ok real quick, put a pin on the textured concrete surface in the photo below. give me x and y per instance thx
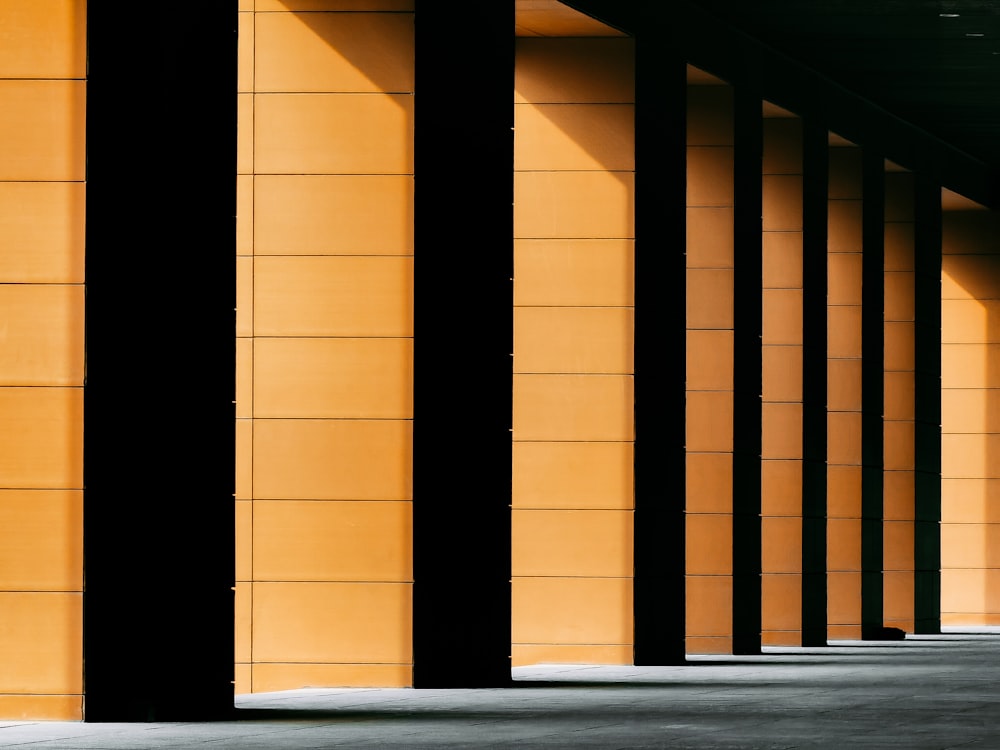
(930, 692)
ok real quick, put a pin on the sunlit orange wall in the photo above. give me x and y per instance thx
(573, 323)
(844, 393)
(781, 470)
(324, 368)
(42, 194)
(970, 406)
(899, 461)
(709, 492)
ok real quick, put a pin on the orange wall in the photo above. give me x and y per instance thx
(899, 460)
(42, 203)
(573, 364)
(970, 407)
(324, 348)
(709, 443)
(844, 393)
(781, 469)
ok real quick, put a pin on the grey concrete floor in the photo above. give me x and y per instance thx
(927, 692)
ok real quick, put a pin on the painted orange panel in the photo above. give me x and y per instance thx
(710, 176)
(844, 279)
(42, 130)
(709, 421)
(347, 378)
(523, 654)
(709, 610)
(709, 544)
(332, 622)
(243, 634)
(780, 638)
(709, 237)
(970, 500)
(574, 71)
(42, 232)
(969, 455)
(244, 378)
(709, 644)
(781, 488)
(782, 316)
(41, 540)
(245, 49)
(898, 489)
(844, 331)
(967, 277)
(709, 298)
(782, 208)
(41, 438)
(844, 437)
(573, 407)
(845, 173)
(966, 365)
(344, 52)
(843, 544)
(710, 360)
(574, 137)
(898, 599)
(781, 544)
(966, 545)
(244, 133)
(898, 541)
(966, 322)
(244, 540)
(574, 272)
(571, 610)
(843, 600)
(843, 384)
(899, 396)
(333, 133)
(972, 232)
(782, 257)
(898, 451)
(898, 243)
(42, 707)
(571, 543)
(271, 677)
(43, 39)
(709, 482)
(782, 373)
(844, 226)
(781, 599)
(562, 205)
(242, 682)
(782, 146)
(899, 295)
(899, 342)
(244, 296)
(334, 5)
(572, 475)
(244, 458)
(781, 430)
(843, 489)
(41, 642)
(336, 296)
(963, 590)
(333, 215)
(244, 214)
(332, 541)
(709, 116)
(317, 459)
(573, 339)
(43, 341)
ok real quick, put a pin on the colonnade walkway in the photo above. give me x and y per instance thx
(925, 692)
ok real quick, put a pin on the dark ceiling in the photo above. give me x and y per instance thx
(918, 80)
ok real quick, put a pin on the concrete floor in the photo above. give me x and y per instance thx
(925, 692)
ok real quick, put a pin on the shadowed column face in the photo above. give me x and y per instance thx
(844, 458)
(574, 166)
(781, 471)
(709, 444)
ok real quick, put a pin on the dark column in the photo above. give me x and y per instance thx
(158, 437)
(927, 375)
(660, 326)
(815, 170)
(463, 339)
(872, 392)
(747, 373)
